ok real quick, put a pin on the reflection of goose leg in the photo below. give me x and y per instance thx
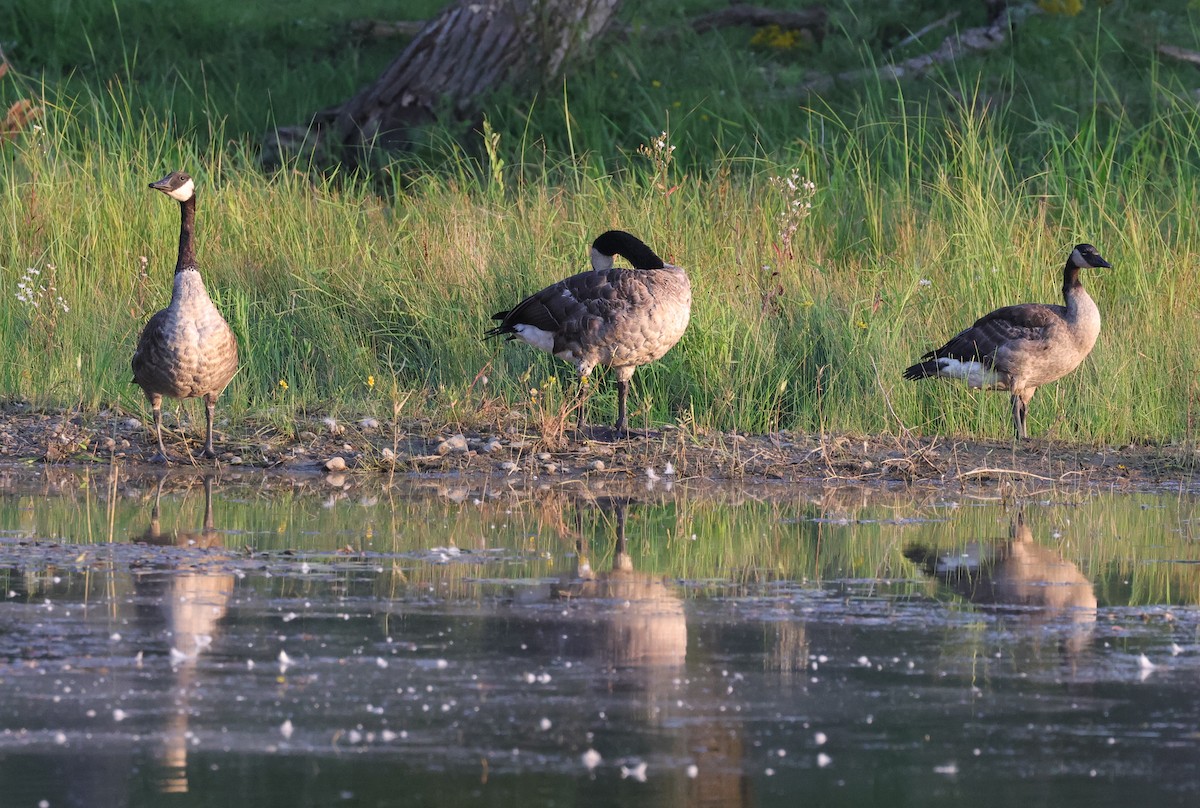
(208, 517)
(621, 557)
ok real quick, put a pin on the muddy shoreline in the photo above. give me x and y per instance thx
(359, 450)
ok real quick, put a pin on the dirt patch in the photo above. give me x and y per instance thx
(323, 446)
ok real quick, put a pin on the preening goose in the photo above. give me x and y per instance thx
(1020, 348)
(187, 350)
(620, 318)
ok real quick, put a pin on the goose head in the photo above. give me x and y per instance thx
(1085, 256)
(618, 242)
(177, 185)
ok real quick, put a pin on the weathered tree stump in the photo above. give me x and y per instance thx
(470, 50)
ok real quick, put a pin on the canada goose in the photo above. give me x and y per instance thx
(609, 316)
(1020, 348)
(187, 349)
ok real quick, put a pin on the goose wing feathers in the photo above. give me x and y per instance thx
(575, 305)
(1001, 330)
(146, 358)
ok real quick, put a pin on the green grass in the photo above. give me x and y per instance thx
(978, 180)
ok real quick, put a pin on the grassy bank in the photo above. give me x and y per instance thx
(934, 202)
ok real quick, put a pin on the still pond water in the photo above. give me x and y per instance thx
(256, 641)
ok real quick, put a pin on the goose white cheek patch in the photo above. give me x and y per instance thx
(184, 192)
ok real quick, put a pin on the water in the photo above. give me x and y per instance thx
(349, 642)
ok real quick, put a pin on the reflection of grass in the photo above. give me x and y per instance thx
(1125, 544)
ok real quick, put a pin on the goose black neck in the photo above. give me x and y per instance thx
(641, 256)
(1071, 279)
(187, 239)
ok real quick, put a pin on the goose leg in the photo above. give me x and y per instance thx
(622, 406)
(581, 424)
(624, 375)
(156, 406)
(210, 407)
(1020, 411)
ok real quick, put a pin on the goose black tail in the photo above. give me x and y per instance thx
(921, 370)
(499, 330)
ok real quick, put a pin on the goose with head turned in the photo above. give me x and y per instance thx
(187, 350)
(610, 316)
(1020, 348)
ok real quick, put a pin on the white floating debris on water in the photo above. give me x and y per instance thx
(115, 637)
(819, 738)
(286, 729)
(387, 736)
(769, 772)
(177, 656)
(591, 759)
(864, 662)
(304, 568)
(1176, 649)
(545, 724)
(60, 737)
(693, 771)
(289, 617)
(119, 715)
(284, 661)
(949, 769)
(1145, 664)
(651, 474)
(354, 736)
(441, 664)
(380, 662)
(823, 760)
(637, 771)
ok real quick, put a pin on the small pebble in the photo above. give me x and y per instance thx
(508, 466)
(389, 455)
(456, 444)
(596, 465)
(335, 464)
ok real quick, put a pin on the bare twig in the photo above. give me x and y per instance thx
(915, 35)
(972, 40)
(984, 471)
(1182, 54)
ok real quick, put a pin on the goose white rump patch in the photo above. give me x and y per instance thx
(537, 337)
(976, 374)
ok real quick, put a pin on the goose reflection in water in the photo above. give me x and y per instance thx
(635, 622)
(191, 604)
(1017, 575)
(638, 617)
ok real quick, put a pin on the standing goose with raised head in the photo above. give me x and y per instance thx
(1020, 348)
(187, 350)
(611, 316)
